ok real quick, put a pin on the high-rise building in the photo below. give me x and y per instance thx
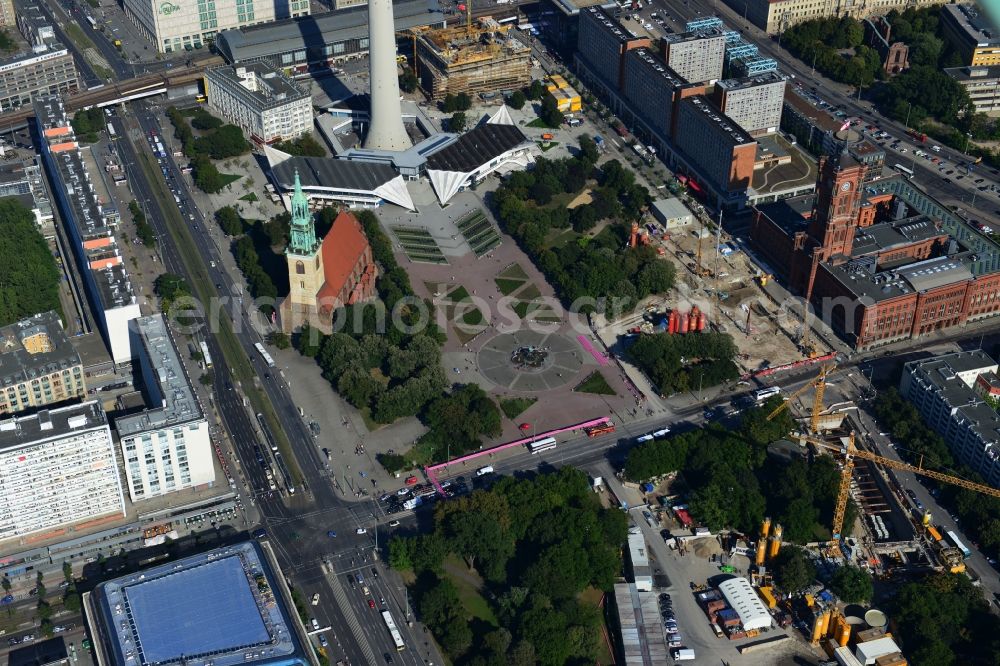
(982, 85)
(385, 127)
(724, 152)
(776, 16)
(652, 88)
(46, 68)
(697, 57)
(754, 103)
(602, 44)
(172, 27)
(7, 14)
(975, 37)
(166, 446)
(267, 105)
(57, 469)
(944, 391)
(324, 275)
(90, 226)
(38, 365)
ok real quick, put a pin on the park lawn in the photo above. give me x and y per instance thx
(250, 196)
(507, 286)
(229, 178)
(595, 383)
(558, 237)
(457, 295)
(530, 293)
(521, 309)
(540, 124)
(473, 317)
(514, 407)
(548, 146)
(513, 272)
(475, 604)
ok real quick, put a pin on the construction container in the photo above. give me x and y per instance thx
(715, 605)
(767, 596)
(708, 595)
(728, 618)
(556, 82)
(761, 551)
(685, 321)
(567, 101)
(701, 322)
(674, 322)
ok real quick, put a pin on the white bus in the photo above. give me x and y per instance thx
(541, 445)
(264, 355)
(397, 638)
(111, 130)
(966, 553)
(763, 394)
(903, 170)
(205, 355)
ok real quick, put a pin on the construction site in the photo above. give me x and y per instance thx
(717, 278)
(478, 57)
(892, 537)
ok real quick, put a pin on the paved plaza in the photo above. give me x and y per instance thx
(508, 360)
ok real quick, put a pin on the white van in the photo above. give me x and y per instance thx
(483, 471)
(682, 654)
(936, 149)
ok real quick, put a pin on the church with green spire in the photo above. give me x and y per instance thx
(323, 275)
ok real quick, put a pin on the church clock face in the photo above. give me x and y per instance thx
(845, 187)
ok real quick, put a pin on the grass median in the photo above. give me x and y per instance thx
(201, 282)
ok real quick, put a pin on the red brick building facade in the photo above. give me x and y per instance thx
(874, 282)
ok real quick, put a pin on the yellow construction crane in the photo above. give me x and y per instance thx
(819, 383)
(849, 453)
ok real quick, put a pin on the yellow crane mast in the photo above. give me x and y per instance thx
(819, 383)
(850, 452)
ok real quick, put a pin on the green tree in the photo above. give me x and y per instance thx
(550, 113)
(457, 122)
(449, 104)
(203, 120)
(463, 102)
(67, 570)
(517, 100)
(408, 81)
(535, 91)
(29, 279)
(44, 610)
(72, 602)
(229, 220)
(304, 146)
(46, 627)
(852, 584)
(206, 177)
(279, 340)
(793, 570)
(5, 582)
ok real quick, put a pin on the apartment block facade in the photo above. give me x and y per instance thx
(943, 389)
(57, 469)
(267, 105)
(38, 365)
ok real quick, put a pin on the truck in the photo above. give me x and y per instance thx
(682, 654)
(917, 136)
(599, 142)
(413, 503)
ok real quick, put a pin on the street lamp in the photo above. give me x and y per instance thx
(968, 137)
(909, 107)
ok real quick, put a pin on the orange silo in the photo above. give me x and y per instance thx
(820, 625)
(844, 632)
(775, 542)
(765, 528)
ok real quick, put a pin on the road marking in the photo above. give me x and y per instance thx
(352, 620)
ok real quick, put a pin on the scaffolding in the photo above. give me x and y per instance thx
(471, 59)
(702, 24)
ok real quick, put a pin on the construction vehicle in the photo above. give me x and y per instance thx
(819, 383)
(849, 453)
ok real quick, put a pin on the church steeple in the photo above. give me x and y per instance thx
(303, 231)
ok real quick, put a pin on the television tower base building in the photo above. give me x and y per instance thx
(386, 131)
